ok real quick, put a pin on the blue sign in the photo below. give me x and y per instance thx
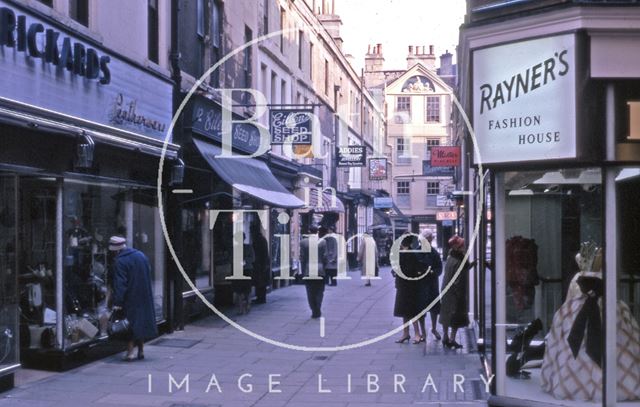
(427, 169)
(447, 223)
(206, 120)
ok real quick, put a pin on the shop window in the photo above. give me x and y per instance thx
(79, 11)
(300, 47)
(196, 238)
(9, 295)
(403, 193)
(627, 185)
(265, 17)
(432, 113)
(546, 219)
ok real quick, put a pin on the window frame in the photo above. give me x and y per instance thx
(429, 116)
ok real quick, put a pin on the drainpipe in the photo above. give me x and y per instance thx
(175, 286)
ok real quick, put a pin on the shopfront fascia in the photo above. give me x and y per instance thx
(560, 169)
(79, 163)
(226, 183)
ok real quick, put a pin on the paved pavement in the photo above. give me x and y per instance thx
(221, 366)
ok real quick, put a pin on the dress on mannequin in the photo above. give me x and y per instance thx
(571, 368)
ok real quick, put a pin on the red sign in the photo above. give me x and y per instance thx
(445, 156)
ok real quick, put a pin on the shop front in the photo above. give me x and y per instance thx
(80, 151)
(218, 183)
(555, 289)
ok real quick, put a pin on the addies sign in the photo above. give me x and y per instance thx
(524, 100)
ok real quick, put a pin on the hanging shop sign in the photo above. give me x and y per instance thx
(448, 215)
(429, 170)
(46, 66)
(351, 156)
(443, 200)
(445, 156)
(382, 202)
(377, 169)
(524, 100)
(291, 126)
(206, 120)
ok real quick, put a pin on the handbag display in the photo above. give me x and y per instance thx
(119, 327)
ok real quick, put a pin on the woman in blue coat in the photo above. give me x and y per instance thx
(133, 294)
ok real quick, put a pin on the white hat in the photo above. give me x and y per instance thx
(117, 243)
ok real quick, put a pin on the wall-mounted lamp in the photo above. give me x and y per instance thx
(177, 173)
(85, 149)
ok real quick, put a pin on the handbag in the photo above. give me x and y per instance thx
(119, 327)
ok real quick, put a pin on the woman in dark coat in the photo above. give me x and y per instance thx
(433, 267)
(133, 294)
(410, 298)
(454, 305)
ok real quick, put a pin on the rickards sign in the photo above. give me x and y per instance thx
(524, 100)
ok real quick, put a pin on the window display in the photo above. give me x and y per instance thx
(8, 286)
(551, 307)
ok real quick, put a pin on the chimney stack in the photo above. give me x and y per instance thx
(418, 54)
(374, 66)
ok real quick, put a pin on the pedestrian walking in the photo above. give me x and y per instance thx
(410, 301)
(454, 308)
(368, 258)
(133, 294)
(433, 267)
(262, 263)
(331, 267)
(242, 288)
(309, 262)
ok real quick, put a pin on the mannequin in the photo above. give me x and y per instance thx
(572, 365)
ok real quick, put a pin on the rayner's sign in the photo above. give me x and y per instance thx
(524, 100)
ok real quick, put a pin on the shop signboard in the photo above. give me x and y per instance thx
(446, 215)
(351, 156)
(443, 200)
(445, 156)
(377, 169)
(44, 65)
(382, 202)
(524, 100)
(206, 120)
(429, 170)
(291, 126)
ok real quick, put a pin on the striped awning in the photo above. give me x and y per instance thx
(330, 203)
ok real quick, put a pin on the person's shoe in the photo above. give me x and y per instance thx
(403, 339)
(418, 340)
(367, 284)
(454, 345)
(140, 355)
(436, 334)
(316, 316)
(129, 357)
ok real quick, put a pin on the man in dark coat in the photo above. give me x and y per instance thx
(133, 293)
(311, 264)
(262, 264)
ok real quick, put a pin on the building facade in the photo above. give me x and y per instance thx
(418, 107)
(84, 116)
(279, 56)
(551, 90)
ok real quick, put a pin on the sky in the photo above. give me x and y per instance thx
(396, 24)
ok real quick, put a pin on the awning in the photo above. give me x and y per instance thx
(21, 114)
(330, 203)
(248, 175)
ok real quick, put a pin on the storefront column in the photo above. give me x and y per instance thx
(500, 293)
(128, 218)
(610, 266)
(59, 267)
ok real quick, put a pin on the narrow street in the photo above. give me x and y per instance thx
(211, 347)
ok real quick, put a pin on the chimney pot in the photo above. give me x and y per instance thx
(417, 49)
(410, 49)
(431, 49)
(379, 47)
